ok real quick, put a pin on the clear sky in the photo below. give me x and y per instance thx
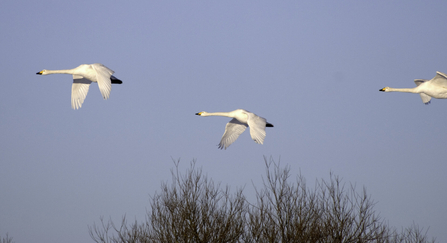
(311, 68)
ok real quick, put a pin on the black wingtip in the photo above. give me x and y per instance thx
(115, 80)
(269, 125)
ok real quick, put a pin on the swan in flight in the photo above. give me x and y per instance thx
(436, 88)
(241, 120)
(83, 76)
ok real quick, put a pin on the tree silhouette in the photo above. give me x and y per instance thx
(195, 209)
(7, 239)
(192, 209)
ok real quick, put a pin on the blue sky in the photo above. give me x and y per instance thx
(313, 69)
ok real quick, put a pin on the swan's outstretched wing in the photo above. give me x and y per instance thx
(232, 131)
(257, 127)
(425, 98)
(103, 74)
(79, 91)
(440, 79)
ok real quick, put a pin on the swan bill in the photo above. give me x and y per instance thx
(383, 89)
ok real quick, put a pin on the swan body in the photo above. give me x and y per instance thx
(83, 76)
(241, 120)
(427, 89)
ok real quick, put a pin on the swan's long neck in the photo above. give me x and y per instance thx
(404, 90)
(227, 114)
(64, 71)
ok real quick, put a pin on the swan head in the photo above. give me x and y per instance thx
(386, 89)
(43, 72)
(202, 113)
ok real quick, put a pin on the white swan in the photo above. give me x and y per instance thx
(436, 88)
(83, 76)
(241, 120)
